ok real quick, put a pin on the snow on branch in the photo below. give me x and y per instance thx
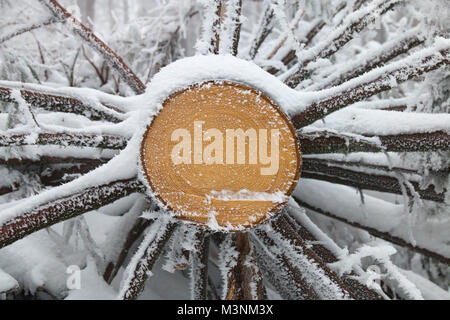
(381, 219)
(49, 99)
(366, 177)
(29, 28)
(324, 281)
(380, 254)
(371, 60)
(373, 82)
(264, 29)
(63, 139)
(199, 266)
(59, 209)
(330, 141)
(327, 250)
(276, 269)
(209, 41)
(240, 272)
(231, 31)
(353, 24)
(7, 284)
(114, 60)
(139, 268)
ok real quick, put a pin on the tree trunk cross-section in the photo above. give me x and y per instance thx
(204, 153)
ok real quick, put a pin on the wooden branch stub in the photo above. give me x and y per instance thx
(200, 155)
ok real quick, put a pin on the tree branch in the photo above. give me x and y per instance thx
(61, 103)
(354, 23)
(320, 142)
(355, 176)
(148, 253)
(57, 210)
(365, 86)
(63, 139)
(114, 60)
(374, 232)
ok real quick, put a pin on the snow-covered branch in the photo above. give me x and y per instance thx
(376, 81)
(264, 29)
(365, 177)
(380, 218)
(240, 271)
(352, 25)
(140, 266)
(63, 139)
(199, 266)
(112, 58)
(49, 213)
(372, 60)
(323, 141)
(49, 99)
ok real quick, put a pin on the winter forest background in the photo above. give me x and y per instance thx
(150, 34)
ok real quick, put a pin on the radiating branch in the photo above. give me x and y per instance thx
(142, 262)
(353, 24)
(61, 103)
(379, 80)
(240, 272)
(379, 57)
(319, 142)
(355, 176)
(111, 57)
(265, 28)
(359, 290)
(45, 215)
(63, 139)
(199, 267)
(374, 232)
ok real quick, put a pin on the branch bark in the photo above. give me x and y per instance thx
(65, 208)
(379, 80)
(113, 59)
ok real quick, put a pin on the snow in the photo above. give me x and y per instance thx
(429, 232)
(7, 283)
(379, 122)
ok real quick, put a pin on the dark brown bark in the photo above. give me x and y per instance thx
(353, 175)
(376, 233)
(245, 273)
(365, 90)
(64, 208)
(64, 139)
(326, 142)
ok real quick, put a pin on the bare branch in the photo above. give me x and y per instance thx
(106, 52)
(65, 208)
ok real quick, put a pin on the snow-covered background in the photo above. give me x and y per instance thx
(150, 34)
